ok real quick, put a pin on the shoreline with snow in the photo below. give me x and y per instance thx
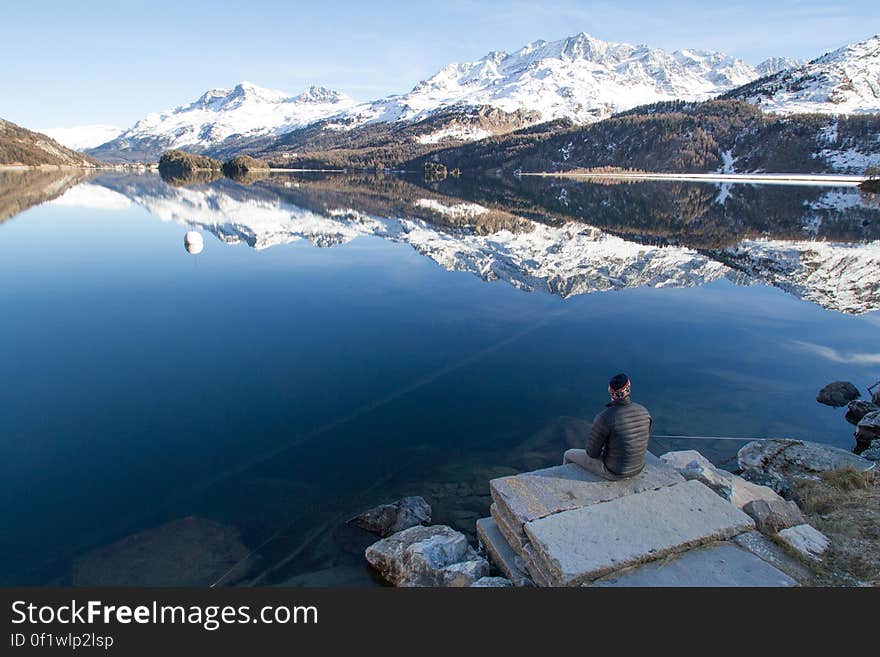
(841, 180)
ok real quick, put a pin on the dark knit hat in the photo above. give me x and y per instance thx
(618, 381)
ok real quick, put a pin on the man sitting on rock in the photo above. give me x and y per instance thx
(618, 438)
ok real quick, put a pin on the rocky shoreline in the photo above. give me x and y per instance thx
(795, 513)
(750, 536)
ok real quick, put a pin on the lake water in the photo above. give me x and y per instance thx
(345, 340)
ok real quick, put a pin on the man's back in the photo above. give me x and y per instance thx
(620, 436)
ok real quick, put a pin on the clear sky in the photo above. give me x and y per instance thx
(90, 61)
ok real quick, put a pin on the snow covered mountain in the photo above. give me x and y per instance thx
(83, 137)
(846, 81)
(774, 65)
(580, 78)
(566, 260)
(243, 112)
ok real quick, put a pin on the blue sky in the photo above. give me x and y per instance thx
(69, 63)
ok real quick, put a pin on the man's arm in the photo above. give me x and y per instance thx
(598, 437)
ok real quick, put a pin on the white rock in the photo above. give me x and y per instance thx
(797, 459)
(739, 492)
(574, 547)
(806, 540)
(427, 556)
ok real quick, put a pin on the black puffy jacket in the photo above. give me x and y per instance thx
(620, 436)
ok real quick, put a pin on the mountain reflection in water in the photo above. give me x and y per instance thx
(568, 238)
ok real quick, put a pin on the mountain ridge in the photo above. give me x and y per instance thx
(580, 79)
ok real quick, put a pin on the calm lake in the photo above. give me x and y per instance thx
(344, 340)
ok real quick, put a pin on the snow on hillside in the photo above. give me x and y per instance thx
(841, 277)
(845, 81)
(81, 137)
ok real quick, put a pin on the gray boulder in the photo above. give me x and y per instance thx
(739, 492)
(797, 459)
(774, 515)
(876, 397)
(806, 541)
(873, 451)
(838, 393)
(867, 431)
(774, 482)
(391, 518)
(858, 409)
(427, 556)
(492, 582)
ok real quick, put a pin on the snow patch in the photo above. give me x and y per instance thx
(456, 133)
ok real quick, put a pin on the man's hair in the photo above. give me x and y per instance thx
(618, 381)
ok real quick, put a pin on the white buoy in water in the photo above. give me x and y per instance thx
(193, 242)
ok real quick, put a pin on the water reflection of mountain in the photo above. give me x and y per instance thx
(698, 215)
(568, 238)
(22, 189)
(819, 244)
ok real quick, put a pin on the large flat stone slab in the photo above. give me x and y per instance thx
(578, 546)
(721, 564)
(500, 552)
(515, 537)
(529, 496)
(773, 553)
(535, 567)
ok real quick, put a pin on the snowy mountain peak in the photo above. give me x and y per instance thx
(581, 78)
(845, 81)
(243, 112)
(773, 65)
(319, 94)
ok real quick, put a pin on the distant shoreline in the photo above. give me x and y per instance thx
(842, 180)
(73, 167)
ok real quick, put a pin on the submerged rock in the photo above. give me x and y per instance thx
(427, 556)
(797, 459)
(805, 540)
(838, 393)
(185, 552)
(858, 409)
(739, 492)
(388, 519)
(774, 515)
